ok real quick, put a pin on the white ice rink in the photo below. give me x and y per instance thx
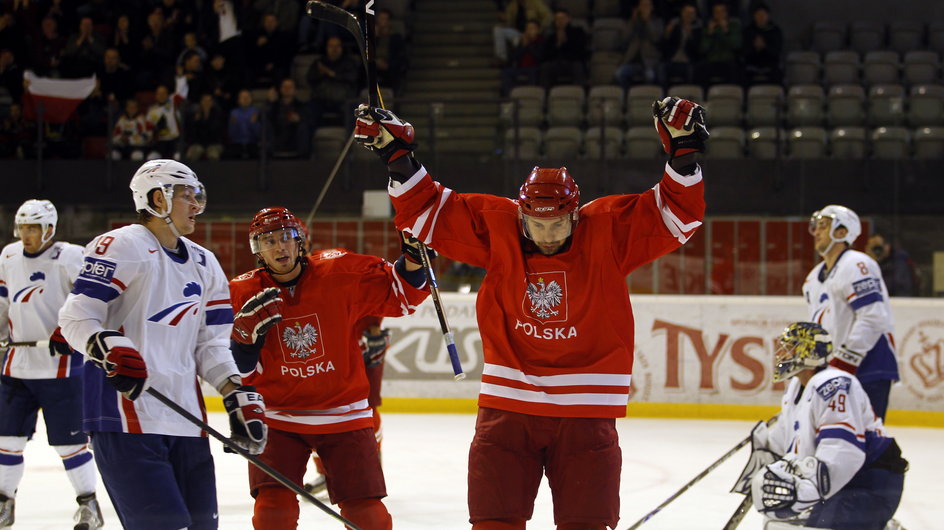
(425, 465)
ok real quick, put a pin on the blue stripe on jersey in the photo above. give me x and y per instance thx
(10, 460)
(217, 317)
(840, 434)
(158, 316)
(98, 291)
(77, 460)
(3, 292)
(866, 300)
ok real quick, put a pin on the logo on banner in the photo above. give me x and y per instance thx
(300, 340)
(922, 360)
(546, 297)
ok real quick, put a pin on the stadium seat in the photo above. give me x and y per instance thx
(386, 94)
(803, 68)
(840, 67)
(764, 105)
(690, 92)
(890, 143)
(805, 105)
(848, 143)
(828, 36)
(260, 97)
(608, 34)
(866, 36)
(639, 100)
(724, 104)
(327, 142)
(565, 105)
(562, 144)
(880, 68)
(906, 35)
(921, 67)
(300, 66)
(807, 143)
(603, 65)
(643, 143)
(765, 143)
(528, 142)
(726, 143)
(399, 8)
(886, 105)
(605, 103)
(845, 105)
(606, 8)
(928, 143)
(936, 36)
(576, 8)
(926, 105)
(530, 106)
(612, 137)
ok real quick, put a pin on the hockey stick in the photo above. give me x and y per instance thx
(27, 344)
(327, 184)
(282, 479)
(698, 477)
(739, 513)
(364, 35)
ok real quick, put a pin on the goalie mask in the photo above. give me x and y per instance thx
(164, 174)
(837, 217)
(549, 194)
(803, 346)
(273, 226)
(37, 212)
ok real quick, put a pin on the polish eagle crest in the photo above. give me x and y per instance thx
(300, 340)
(544, 298)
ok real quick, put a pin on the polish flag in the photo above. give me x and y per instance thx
(59, 97)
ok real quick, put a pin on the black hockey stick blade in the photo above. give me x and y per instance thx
(335, 15)
(254, 460)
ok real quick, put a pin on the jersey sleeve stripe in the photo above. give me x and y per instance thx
(841, 434)
(408, 185)
(120, 285)
(681, 231)
(218, 317)
(3, 292)
(98, 291)
(870, 298)
(217, 302)
(684, 180)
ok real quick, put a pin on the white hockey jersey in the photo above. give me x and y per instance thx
(851, 303)
(831, 419)
(32, 289)
(175, 309)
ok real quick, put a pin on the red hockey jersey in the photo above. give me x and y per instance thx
(557, 331)
(310, 371)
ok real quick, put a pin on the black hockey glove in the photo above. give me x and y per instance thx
(58, 344)
(257, 315)
(410, 246)
(246, 410)
(124, 367)
(382, 132)
(374, 347)
(681, 126)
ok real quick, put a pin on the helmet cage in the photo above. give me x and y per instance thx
(803, 346)
(37, 212)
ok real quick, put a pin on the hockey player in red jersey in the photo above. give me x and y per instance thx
(293, 339)
(553, 312)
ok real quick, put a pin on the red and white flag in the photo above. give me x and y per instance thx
(59, 97)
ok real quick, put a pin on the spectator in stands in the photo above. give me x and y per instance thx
(763, 43)
(513, 22)
(156, 59)
(898, 270)
(125, 41)
(223, 82)
(192, 72)
(46, 49)
(11, 35)
(191, 45)
(83, 51)
(15, 134)
(525, 58)
(389, 51)
(11, 77)
(286, 11)
(131, 136)
(116, 81)
(221, 27)
(178, 18)
(720, 47)
(642, 53)
(204, 130)
(334, 79)
(163, 124)
(245, 129)
(565, 53)
(288, 131)
(680, 46)
(63, 12)
(270, 52)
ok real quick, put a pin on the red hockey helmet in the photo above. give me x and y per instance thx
(271, 219)
(549, 192)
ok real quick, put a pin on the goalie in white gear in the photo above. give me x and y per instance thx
(837, 467)
(845, 294)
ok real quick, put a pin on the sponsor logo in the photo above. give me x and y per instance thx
(828, 389)
(544, 209)
(545, 298)
(36, 276)
(308, 370)
(192, 289)
(546, 333)
(173, 315)
(98, 270)
(921, 359)
(866, 286)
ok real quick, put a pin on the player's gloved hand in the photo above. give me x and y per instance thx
(246, 410)
(761, 456)
(58, 344)
(257, 315)
(846, 359)
(123, 365)
(410, 246)
(374, 347)
(787, 488)
(383, 132)
(681, 126)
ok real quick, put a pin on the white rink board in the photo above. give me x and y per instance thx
(689, 349)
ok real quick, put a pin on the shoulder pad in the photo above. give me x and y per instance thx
(836, 384)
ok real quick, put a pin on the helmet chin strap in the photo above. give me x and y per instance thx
(172, 226)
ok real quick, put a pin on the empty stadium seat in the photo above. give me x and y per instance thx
(805, 105)
(807, 143)
(726, 143)
(765, 143)
(606, 8)
(605, 104)
(565, 105)
(576, 8)
(840, 67)
(905, 35)
(300, 66)
(866, 36)
(880, 68)
(639, 100)
(828, 36)
(803, 68)
(848, 143)
(764, 105)
(641, 143)
(690, 92)
(528, 143)
(921, 67)
(886, 105)
(611, 138)
(562, 144)
(530, 105)
(845, 105)
(936, 36)
(327, 142)
(603, 65)
(724, 104)
(608, 34)
(890, 143)
(928, 143)
(926, 105)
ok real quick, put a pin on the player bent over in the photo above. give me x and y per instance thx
(36, 275)
(293, 339)
(836, 466)
(150, 308)
(553, 311)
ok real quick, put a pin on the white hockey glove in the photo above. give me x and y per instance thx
(845, 359)
(681, 126)
(119, 358)
(257, 315)
(246, 410)
(761, 456)
(382, 132)
(787, 488)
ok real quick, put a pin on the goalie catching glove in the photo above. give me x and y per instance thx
(787, 488)
(124, 367)
(681, 126)
(246, 410)
(761, 456)
(257, 315)
(382, 132)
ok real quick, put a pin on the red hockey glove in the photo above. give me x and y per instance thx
(681, 126)
(846, 359)
(410, 246)
(257, 315)
(58, 344)
(374, 347)
(383, 132)
(123, 365)
(246, 410)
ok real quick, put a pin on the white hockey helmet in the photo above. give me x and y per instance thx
(36, 212)
(164, 174)
(841, 217)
